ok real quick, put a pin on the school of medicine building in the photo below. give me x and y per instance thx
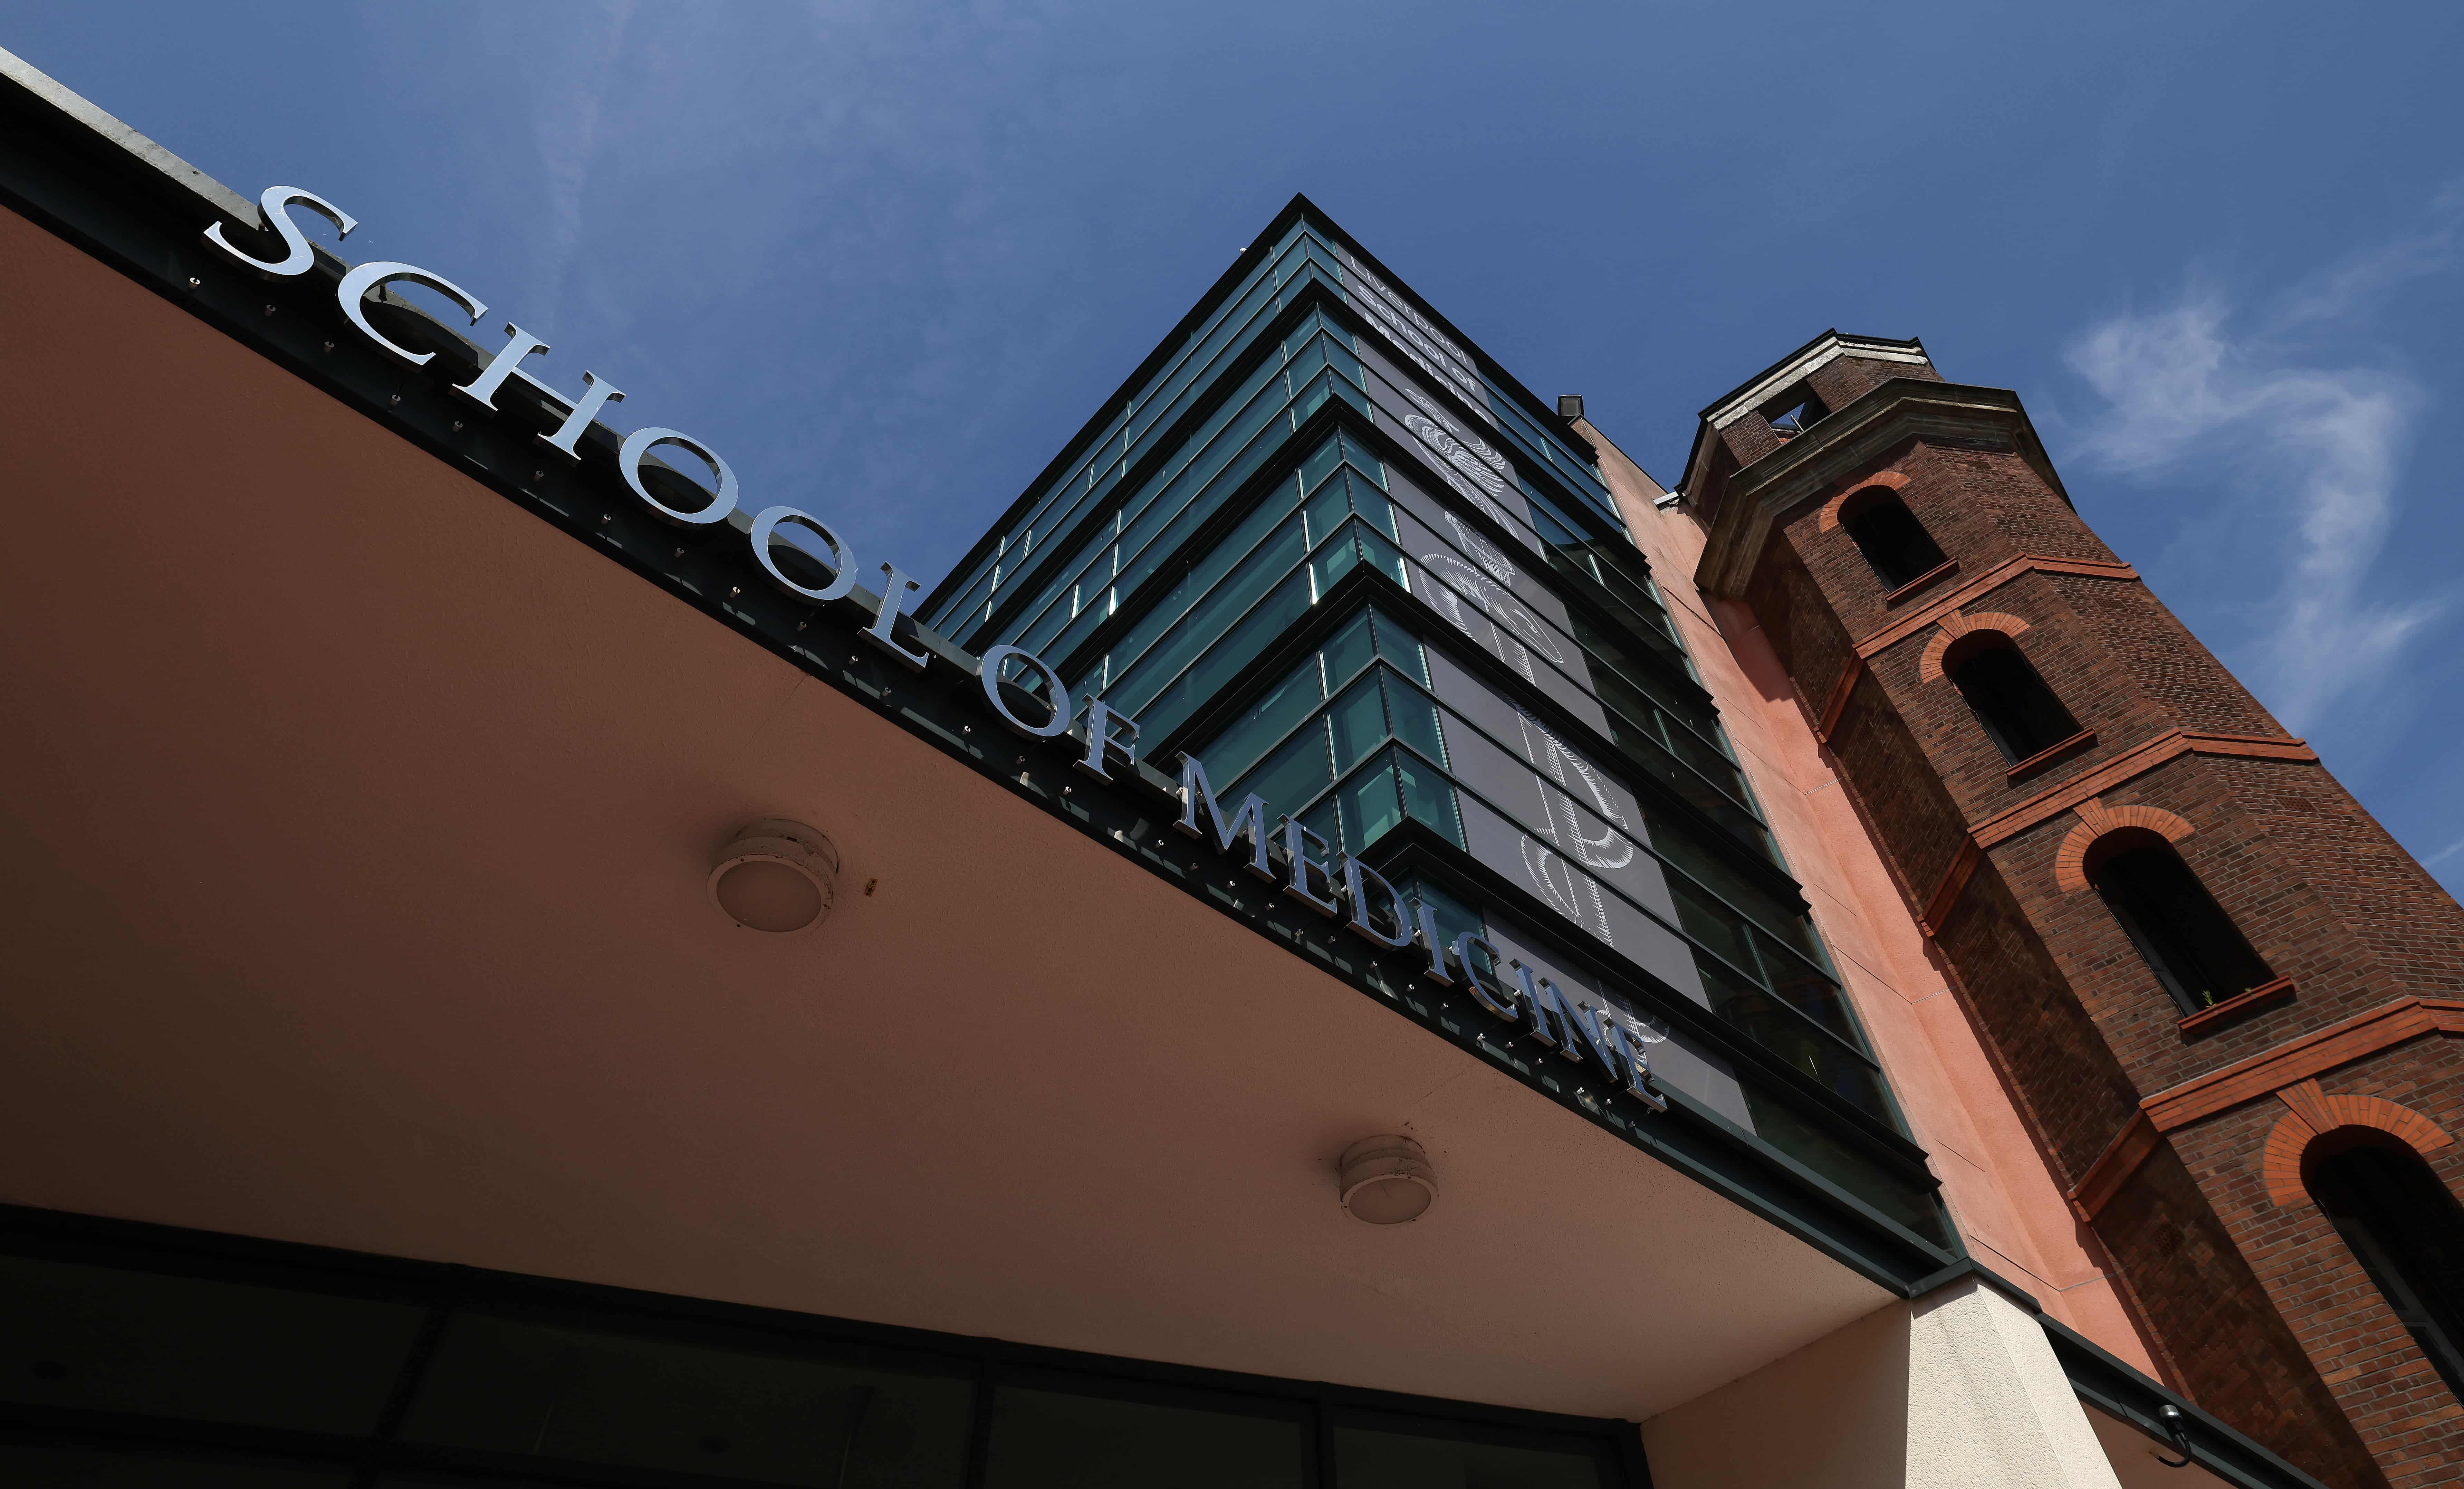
(1357, 941)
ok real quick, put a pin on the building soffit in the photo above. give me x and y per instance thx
(1765, 494)
(429, 789)
(78, 191)
(57, 173)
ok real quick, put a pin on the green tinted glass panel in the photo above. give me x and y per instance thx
(1453, 916)
(1358, 454)
(1294, 774)
(513, 1386)
(1321, 462)
(1306, 362)
(1269, 719)
(1336, 560)
(1349, 651)
(1325, 821)
(1395, 1460)
(1172, 706)
(1427, 797)
(32, 1467)
(1373, 505)
(1368, 807)
(1329, 509)
(1206, 619)
(1802, 1137)
(1360, 721)
(1167, 609)
(99, 1339)
(1048, 1439)
(1399, 647)
(1413, 718)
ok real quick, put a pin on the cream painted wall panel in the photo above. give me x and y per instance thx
(1959, 1390)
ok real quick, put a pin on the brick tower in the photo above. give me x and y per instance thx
(2226, 1000)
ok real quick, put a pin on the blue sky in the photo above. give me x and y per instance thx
(888, 257)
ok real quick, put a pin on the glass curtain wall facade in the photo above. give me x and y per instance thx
(1329, 549)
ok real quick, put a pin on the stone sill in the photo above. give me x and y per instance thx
(2215, 1016)
(2051, 754)
(1922, 580)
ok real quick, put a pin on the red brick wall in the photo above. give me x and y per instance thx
(2381, 1382)
(2232, 1350)
(1841, 380)
(2259, 1311)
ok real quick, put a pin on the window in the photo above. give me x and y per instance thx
(2019, 713)
(2407, 1232)
(2188, 941)
(1892, 540)
(1794, 411)
(1315, 744)
(310, 1374)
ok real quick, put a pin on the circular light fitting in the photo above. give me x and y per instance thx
(1385, 1180)
(775, 876)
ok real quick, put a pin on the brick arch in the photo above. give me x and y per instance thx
(2098, 821)
(1891, 481)
(1955, 625)
(2315, 1114)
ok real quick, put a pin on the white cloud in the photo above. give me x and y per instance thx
(2314, 455)
(565, 122)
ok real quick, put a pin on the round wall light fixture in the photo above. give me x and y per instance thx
(775, 876)
(1385, 1180)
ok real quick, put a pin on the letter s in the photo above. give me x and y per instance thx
(276, 204)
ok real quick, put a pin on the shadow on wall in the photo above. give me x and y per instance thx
(1959, 1387)
(1833, 1414)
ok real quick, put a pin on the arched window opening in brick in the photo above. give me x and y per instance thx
(2188, 942)
(2403, 1228)
(2019, 713)
(1890, 537)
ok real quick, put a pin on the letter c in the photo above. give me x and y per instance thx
(356, 285)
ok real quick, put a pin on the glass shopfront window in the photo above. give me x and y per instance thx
(1064, 1439)
(147, 1365)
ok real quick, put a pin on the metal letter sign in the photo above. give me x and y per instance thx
(1105, 740)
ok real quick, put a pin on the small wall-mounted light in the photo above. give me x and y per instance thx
(775, 876)
(1569, 406)
(1385, 1180)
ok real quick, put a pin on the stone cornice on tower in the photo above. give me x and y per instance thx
(1743, 509)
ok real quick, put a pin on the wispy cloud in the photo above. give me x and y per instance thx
(566, 125)
(2315, 452)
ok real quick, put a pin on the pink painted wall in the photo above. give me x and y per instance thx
(2002, 1196)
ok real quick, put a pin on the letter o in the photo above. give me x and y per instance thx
(988, 670)
(842, 584)
(638, 444)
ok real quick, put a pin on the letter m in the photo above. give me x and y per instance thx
(1198, 793)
